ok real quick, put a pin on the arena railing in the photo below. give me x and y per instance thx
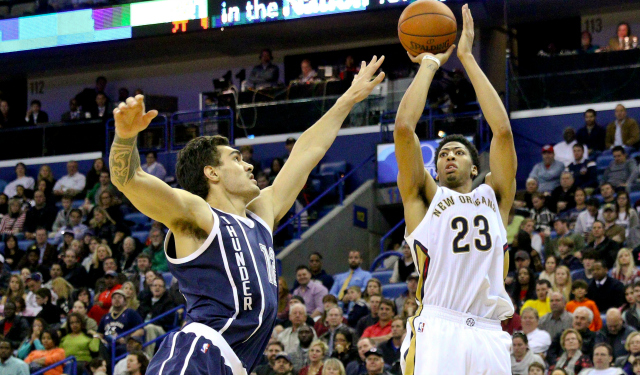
(113, 342)
(154, 138)
(186, 125)
(380, 258)
(338, 184)
(70, 359)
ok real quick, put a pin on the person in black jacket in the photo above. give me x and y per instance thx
(14, 328)
(50, 312)
(605, 247)
(605, 291)
(391, 348)
(592, 135)
(73, 272)
(157, 303)
(343, 348)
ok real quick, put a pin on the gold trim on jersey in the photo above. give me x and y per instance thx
(423, 266)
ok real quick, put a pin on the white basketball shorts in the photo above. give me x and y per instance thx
(442, 341)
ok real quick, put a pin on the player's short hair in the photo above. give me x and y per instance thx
(197, 154)
(544, 282)
(579, 284)
(473, 151)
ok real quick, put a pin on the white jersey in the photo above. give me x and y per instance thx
(458, 249)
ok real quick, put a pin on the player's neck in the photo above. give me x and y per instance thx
(464, 188)
(231, 204)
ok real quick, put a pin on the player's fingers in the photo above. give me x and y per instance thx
(149, 116)
(450, 50)
(378, 79)
(379, 62)
(121, 106)
(373, 60)
(363, 65)
(139, 97)
(130, 101)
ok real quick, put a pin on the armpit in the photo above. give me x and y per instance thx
(189, 228)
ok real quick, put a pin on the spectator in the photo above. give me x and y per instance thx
(276, 166)
(343, 349)
(265, 74)
(97, 366)
(586, 219)
(602, 359)
(54, 271)
(21, 180)
(15, 289)
(623, 131)
(34, 115)
(632, 315)
(283, 365)
(375, 362)
(524, 199)
(607, 192)
(64, 291)
(605, 291)
(539, 340)
(101, 109)
(137, 363)
(527, 245)
(391, 348)
(104, 184)
(153, 167)
(630, 301)
(80, 308)
(572, 360)
(582, 319)
(157, 304)
(356, 308)
(605, 248)
(521, 356)
(374, 286)
(156, 251)
(12, 253)
(62, 218)
(564, 150)
(586, 45)
(563, 281)
(96, 270)
(45, 174)
(247, 157)
(333, 322)
(78, 342)
(548, 171)
(29, 264)
(131, 293)
(310, 290)
(87, 98)
(632, 345)
(47, 253)
(263, 181)
(628, 219)
(51, 354)
(317, 272)
(524, 287)
(561, 226)
(103, 300)
(621, 41)
(541, 303)
(289, 336)
(541, 215)
(558, 319)
(9, 364)
(72, 271)
(381, 331)
(412, 287)
(13, 222)
(134, 344)
(299, 358)
(14, 328)
(129, 255)
(34, 283)
(273, 349)
(591, 135)
(93, 176)
(579, 289)
(356, 276)
(120, 319)
(621, 172)
(71, 184)
(513, 224)
(372, 317)
(403, 267)
(308, 74)
(624, 269)
(40, 215)
(49, 312)
(110, 204)
(102, 225)
(288, 145)
(73, 114)
(143, 264)
(317, 351)
(549, 273)
(563, 197)
(33, 341)
(584, 171)
(615, 332)
(333, 366)
(566, 255)
(358, 367)
(7, 120)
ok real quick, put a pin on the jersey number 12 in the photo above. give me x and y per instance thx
(461, 225)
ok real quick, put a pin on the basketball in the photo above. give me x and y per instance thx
(427, 26)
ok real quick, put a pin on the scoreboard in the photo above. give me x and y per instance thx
(159, 17)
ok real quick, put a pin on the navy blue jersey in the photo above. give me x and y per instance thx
(124, 322)
(230, 283)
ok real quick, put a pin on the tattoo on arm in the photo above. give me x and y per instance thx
(124, 159)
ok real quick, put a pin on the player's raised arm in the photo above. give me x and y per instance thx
(313, 145)
(503, 160)
(149, 194)
(413, 180)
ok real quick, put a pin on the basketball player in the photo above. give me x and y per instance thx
(457, 235)
(219, 245)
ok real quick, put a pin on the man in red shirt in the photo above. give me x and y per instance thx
(381, 331)
(103, 303)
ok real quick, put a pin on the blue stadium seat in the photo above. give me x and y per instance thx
(24, 244)
(633, 197)
(337, 167)
(167, 276)
(393, 291)
(603, 161)
(141, 236)
(598, 197)
(383, 276)
(139, 219)
(574, 273)
(3, 184)
(2, 247)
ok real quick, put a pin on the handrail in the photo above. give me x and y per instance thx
(155, 123)
(388, 234)
(201, 113)
(72, 359)
(340, 181)
(132, 330)
(382, 257)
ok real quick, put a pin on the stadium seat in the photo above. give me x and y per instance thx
(74, 204)
(3, 184)
(574, 273)
(603, 161)
(24, 244)
(2, 247)
(393, 291)
(140, 236)
(598, 197)
(167, 276)
(139, 219)
(338, 167)
(383, 276)
(633, 197)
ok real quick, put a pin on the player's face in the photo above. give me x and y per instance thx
(455, 166)
(235, 175)
(601, 358)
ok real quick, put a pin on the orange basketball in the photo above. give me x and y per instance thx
(427, 26)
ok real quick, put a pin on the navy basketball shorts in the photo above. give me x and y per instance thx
(195, 350)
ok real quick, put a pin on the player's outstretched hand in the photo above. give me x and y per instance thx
(466, 40)
(363, 83)
(443, 57)
(131, 117)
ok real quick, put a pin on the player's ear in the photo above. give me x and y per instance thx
(437, 178)
(211, 173)
(474, 172)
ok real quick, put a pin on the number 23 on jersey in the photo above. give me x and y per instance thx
(461, 225)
